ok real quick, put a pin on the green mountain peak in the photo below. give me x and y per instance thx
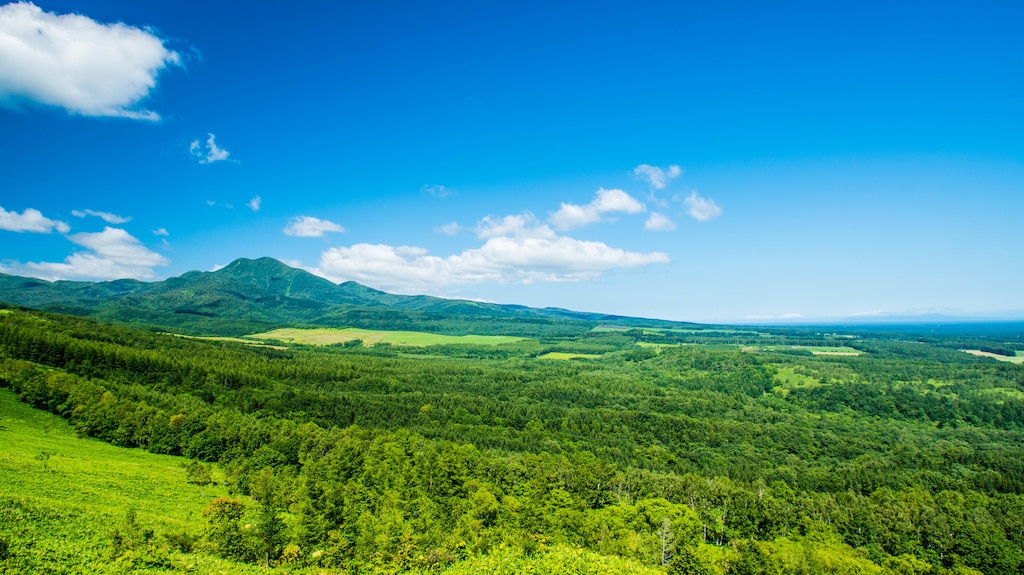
(250, 295)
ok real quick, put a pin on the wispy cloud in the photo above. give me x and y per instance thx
(72, 62)
(161, 232)
(310, 227)
(110, 254)
(571, 216)
(657, 177)
(30, 220)
(255, 204)
(105, 216)
(514, 225)
(211, 154)
(438, 191)
(516, 249)
(659, 223)
(701, 209)
(450, 229)
(872, 313)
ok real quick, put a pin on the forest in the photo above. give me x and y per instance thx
(588, 449)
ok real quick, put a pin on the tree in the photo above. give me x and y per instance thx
(269, 527)
(224, 533)
(667, 538)
(686, 562)
(197, 474)
(752, 560)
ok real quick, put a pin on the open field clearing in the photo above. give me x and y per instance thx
(229, 339)
(818, 350)
(658, 346)
(56, 489)
(1019, 358)
(680, 330)
(88, 474)
(369, 337)
(788, 379)
(612, 328)
(1004, 391)
(814, 349)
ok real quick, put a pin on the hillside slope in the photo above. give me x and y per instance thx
(254, 295)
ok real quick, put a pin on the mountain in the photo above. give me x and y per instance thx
(252, 295)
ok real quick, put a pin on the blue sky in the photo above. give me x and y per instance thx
(714, 161)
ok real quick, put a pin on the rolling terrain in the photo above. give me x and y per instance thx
(448, 438)
(249, 296)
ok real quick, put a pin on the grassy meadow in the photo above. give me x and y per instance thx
(827, 350)
(66, 503)
(370, 337)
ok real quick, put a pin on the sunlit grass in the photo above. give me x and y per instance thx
(62, 498)
(328, 336)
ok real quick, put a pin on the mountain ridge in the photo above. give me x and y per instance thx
(253, 294)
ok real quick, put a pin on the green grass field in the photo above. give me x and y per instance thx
(327, 336)
(63, 498)
(659, 346)
(828, 350)
(1004, 391)
(87, 474)
(787, 378)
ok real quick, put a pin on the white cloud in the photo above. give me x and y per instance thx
(571, 216)
(516, 249)
(73, 62)
(450, 229)
(701, 209)
(255, 203)
(657, 177)
(659, 223)
(161, 232)
(439, 191)
(515, 225)
(105, 216)
(310, 227)
(30, 220)
(112, 254)
(212, 153)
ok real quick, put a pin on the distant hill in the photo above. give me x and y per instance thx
(252, 295)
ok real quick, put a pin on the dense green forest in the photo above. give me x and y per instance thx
(657, 449)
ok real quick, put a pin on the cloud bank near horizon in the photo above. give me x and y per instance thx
(516, 249)
(110, 254)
